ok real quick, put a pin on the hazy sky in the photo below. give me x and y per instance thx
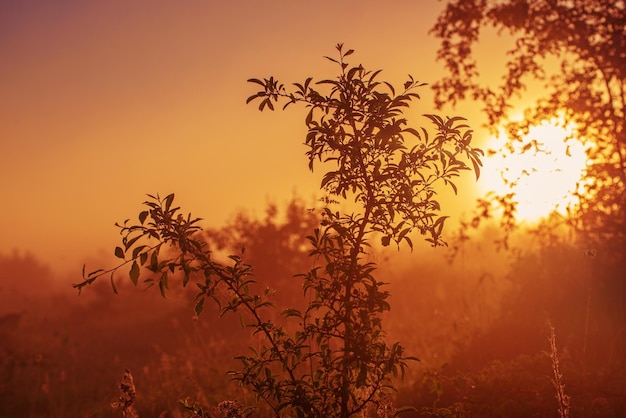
(102, 102)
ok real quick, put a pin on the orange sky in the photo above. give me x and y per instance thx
(103, 102)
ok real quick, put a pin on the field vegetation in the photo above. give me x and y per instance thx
(353, 304)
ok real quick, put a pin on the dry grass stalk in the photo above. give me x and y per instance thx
(230, 409)
(127, 397)
(562, 399)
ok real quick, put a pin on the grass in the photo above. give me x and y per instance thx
(125, 402)
(562, 398)
(65, 355)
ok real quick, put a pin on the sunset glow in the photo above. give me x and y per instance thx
(543, 171)
(332, 209)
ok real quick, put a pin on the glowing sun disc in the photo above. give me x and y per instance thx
(542, 178)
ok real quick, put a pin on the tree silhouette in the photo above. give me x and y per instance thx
(577, 50)
(276, 246)
(337, 362)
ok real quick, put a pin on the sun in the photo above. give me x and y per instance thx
(543, 170)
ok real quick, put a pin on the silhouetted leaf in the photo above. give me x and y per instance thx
(476, 164)
(130, 242)
(134, 273)
(168, 201)
(137, 250)
(292, 312)
(257, 81)
(254, 96)
(154, 262)
(113, 283)
(199, 307)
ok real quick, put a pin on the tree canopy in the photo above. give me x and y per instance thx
(576, 49)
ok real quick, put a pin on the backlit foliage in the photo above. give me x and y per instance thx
(330, 359)
(577, 50)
